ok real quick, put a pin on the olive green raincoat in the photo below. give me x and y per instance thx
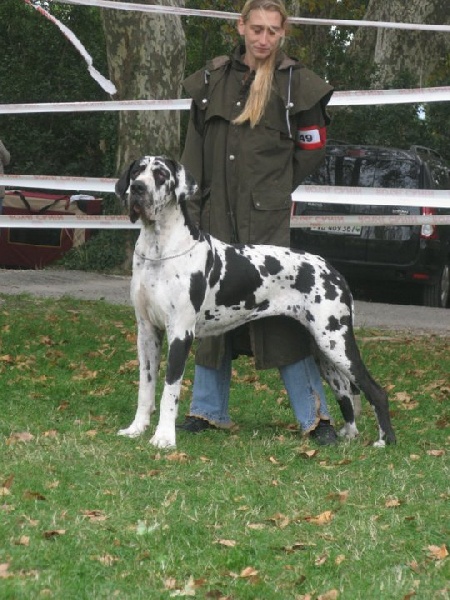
(246, 177)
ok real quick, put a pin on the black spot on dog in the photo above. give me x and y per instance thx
(178, 353)
(240, 281)
(272, 265)
(346, 407)
(216, 271)
(305, 280)
(209, 262)
(318, 299)
(333, 324)
(309, 316)
(197, 290)
(262, 306)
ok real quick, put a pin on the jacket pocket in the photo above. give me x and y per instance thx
(270, 217)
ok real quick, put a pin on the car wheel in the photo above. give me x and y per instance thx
(437, 295)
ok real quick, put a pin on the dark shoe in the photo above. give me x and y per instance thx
(324, 434)
(195, 424)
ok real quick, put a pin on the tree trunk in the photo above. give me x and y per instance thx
(146, 59)
(423, 55)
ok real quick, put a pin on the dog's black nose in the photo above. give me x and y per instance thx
(138, 187)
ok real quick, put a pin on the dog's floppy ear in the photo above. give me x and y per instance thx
(186, 186)
(191, 184)
(123, 183)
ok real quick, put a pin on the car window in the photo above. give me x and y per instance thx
(367, 172)
(440, 175)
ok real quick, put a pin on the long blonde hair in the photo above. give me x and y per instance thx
(261, 87)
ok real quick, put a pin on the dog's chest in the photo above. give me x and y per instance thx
(156, 290)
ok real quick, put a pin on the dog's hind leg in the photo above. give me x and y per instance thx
(149, 353)
(344, 391)
(379, 401)
(375, 394)
(179, 347)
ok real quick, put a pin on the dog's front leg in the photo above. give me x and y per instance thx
(176, 361)
(149, 353)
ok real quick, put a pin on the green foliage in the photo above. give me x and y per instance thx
(255, 513)
(40, 65)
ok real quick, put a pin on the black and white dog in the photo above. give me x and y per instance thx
(188, 284)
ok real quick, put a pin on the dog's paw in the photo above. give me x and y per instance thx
(163, 440)
(134, 430)
(379, 444)
(349, 431)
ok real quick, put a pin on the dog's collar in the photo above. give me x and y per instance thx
(165, 257)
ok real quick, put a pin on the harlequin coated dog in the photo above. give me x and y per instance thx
(188, 284)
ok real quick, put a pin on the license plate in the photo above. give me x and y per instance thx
(339, 229)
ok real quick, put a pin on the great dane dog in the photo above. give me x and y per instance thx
(189, 284)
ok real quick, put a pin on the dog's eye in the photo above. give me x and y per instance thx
(136, 170)
(160, 176)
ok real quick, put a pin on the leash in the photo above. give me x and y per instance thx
(166, 257)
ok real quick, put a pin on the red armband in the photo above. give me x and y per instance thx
(311, 138)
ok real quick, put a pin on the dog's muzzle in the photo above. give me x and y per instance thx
(140, 204)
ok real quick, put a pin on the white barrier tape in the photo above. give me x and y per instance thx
(111, 105)
(69, 222)
(216, 14)
(371, 196)
(348, 98)
(48, 182)
(376, 220)
(123, 222)
(304, 193)
(107, 85)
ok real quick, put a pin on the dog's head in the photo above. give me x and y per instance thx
(152, 182)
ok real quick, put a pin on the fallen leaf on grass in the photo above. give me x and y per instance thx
(438, 552)
(248, 573)
(392, 503)
(24, 540)
(177, 457)
(342, 497)
(339, 559)
(435, 452)
(4, 571)
(24, 436)
(331, 595)
(405, 400)
(28, 495)
(256, 526)
(107, 559)
(321, 560)
(52, 433)
(8, 482)
(53, 533)
(227, 543)
(188, 590)
(94, 515)
(308, 454)
(297, 546)
(280, 520)
(322, 519)
(151, 473)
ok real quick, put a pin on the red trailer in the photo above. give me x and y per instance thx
(35, 248)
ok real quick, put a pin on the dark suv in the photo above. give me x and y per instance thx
(397, 253)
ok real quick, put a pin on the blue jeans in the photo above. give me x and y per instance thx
(302, 382)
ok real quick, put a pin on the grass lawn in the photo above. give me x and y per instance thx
(258, 513)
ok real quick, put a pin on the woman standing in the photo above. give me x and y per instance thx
(257, 128)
